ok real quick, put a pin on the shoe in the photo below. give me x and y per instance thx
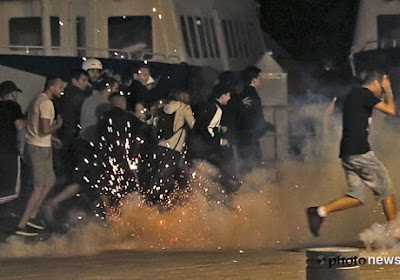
(36, 223)
(25, 232)
(314, 220)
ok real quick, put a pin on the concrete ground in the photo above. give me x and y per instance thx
(223, 264)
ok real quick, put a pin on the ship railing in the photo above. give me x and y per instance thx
(372, 45)
(25, 49)
(389, 43)
(379, 44)
(82, 52)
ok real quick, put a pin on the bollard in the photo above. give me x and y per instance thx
(332, 263)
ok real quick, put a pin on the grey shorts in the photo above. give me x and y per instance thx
(366, 171)
(40, 160)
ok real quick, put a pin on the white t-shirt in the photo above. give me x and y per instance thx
(40, 108)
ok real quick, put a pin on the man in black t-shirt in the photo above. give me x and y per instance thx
(362, 168)
(11, 121)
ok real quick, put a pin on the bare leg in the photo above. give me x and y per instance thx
(389, 207)
(40, 202)
(52, 204)
(68, 192)
(342, 203)
(31, 205)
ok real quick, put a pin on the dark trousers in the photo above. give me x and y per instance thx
(168, 176)
(9, 175)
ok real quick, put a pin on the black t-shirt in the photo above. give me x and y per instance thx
(137, 93)
(357, 111)
(10, 111)
(70, 105)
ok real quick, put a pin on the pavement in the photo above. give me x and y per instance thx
(173, 264)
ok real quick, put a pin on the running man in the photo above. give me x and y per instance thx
(362, 168)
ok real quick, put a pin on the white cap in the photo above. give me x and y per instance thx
(92, 63)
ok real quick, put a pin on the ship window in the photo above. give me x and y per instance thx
(250, 39)
(200, 29)
(193, 37)
(214, 35)
(389, 31)
(130, 35)
(240, 41)
(210, 45)
(243, 35)
(228, 44)
(233, 37)
(256, 39)
(81, 36)
(185, 36)
(27, 31)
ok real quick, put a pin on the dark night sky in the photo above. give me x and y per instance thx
(311, 29)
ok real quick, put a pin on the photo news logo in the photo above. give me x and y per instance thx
(339, 261)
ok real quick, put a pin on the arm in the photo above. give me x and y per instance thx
(20, 124)
(189, 118)
(47, 128)
(387, 106)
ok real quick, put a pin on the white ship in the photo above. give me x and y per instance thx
(376, 41)
(39, 37)
(217, 33)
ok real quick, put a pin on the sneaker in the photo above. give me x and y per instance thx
(35, 223)
(314, 220)
(25, 232)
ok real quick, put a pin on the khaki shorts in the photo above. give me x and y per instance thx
(40, 160)
(365, 172)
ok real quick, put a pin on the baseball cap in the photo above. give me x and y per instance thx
(7, 87)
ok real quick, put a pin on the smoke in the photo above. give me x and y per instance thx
(383, 237)
(268, 210)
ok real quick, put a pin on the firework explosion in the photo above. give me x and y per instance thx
(168, 202)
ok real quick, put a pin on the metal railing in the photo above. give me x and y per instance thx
(377, 44)
(100, 52)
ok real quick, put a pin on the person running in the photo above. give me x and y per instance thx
(362, 168)
(38, 152)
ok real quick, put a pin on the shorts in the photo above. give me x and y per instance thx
(40, 160)
(366, 171)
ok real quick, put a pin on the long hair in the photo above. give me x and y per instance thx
(181, 95)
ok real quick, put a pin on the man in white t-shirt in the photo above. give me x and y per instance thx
(38, 152)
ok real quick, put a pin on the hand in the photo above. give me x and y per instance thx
(223, 129)
(331, 107)
(59, 121)
(57, 144)
(224, 142)
(386, 85)
(246, 101)
(150, 121)
(140, 111)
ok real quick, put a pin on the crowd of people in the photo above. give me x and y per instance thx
(108, 137)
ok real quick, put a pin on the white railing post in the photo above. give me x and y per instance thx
(46, 29)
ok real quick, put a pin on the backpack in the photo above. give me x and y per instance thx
(165, 125)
